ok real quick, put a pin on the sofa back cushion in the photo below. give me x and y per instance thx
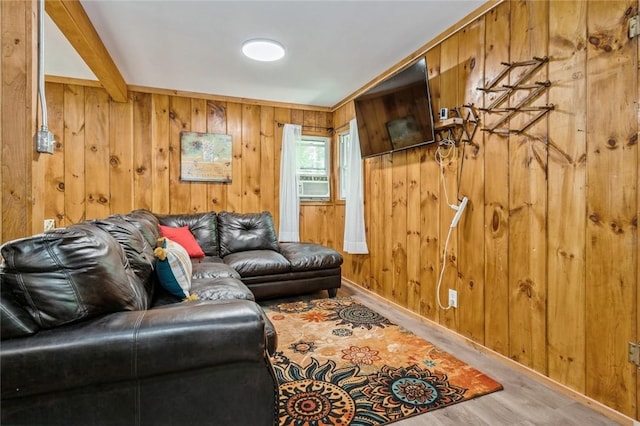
(203, 226)
(137, 250)
(246, 231)
(14, 320)
(146, 222)
(69, 274)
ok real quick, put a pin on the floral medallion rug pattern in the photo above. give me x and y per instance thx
(341, 363)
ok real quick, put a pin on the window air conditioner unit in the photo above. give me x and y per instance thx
(313, 186)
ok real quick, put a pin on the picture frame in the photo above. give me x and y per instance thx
(205, 157)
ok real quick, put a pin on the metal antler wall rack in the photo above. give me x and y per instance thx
(461, 127)
(523, 105)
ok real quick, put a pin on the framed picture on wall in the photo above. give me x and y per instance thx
(205, 157)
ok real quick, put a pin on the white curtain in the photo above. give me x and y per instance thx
(289, 200)
(355, 240)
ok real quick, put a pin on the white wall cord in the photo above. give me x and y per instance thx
(440, 157)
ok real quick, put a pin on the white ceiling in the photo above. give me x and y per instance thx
(333, 47)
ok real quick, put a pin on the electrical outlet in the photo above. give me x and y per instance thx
(49, 224)
(453, 298)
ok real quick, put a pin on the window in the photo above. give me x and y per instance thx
(344, 147)
(312, 168)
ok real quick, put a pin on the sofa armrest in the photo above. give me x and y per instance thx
(134, 345)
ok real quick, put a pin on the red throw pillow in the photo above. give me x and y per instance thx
(184, 237)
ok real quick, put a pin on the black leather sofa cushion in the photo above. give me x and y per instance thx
(310, 256)
(220, 289)
(134, 345)
(137, 249)
(246, 231)
(213, 270)
(69, 274)
(14, 320)
(258, 262)
(146, 222)
(203, 226)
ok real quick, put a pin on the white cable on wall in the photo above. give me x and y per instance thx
(440, 158)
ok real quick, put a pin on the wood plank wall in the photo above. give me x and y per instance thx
(20, 173)
(114, 157)
(545, 258)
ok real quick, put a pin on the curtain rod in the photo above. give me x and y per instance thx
(328, 129)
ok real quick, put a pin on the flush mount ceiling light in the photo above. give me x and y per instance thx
(261, 49)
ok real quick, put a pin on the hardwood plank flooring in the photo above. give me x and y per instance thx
(523, 401)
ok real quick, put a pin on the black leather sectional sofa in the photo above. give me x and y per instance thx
(89, 337)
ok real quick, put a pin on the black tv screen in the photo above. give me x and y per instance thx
(396, 113)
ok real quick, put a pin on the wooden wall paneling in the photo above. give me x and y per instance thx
(314, 123)
(19, 106)
(430, 251)
(96, 153)
(471, 230)
(305, 228)
(450, 95)
(399, 227)
(35, 217)
(142, 151)
(413, 228)
(251, 157)
(199, 196)
(527, 198)
(54, 164)
(121, 156)
(328, 224)
(567, 193)
(496, 191)
(297, 117)
(180, 116)
(234, 128)
(386, 248)
(309, 122)
(280, 115)
(374, 207)
(315, 220)
(268, 167)
(217, 123)
(612, 173)
(161, 141)
(74, 169)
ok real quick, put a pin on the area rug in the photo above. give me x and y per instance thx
(341, 363)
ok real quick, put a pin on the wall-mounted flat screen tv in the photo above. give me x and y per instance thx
(396, 113)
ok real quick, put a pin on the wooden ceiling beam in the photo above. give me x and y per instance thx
(72, 20)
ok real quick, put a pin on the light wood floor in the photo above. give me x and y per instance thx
(523, 401)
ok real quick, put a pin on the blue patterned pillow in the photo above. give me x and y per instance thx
(173, 267)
